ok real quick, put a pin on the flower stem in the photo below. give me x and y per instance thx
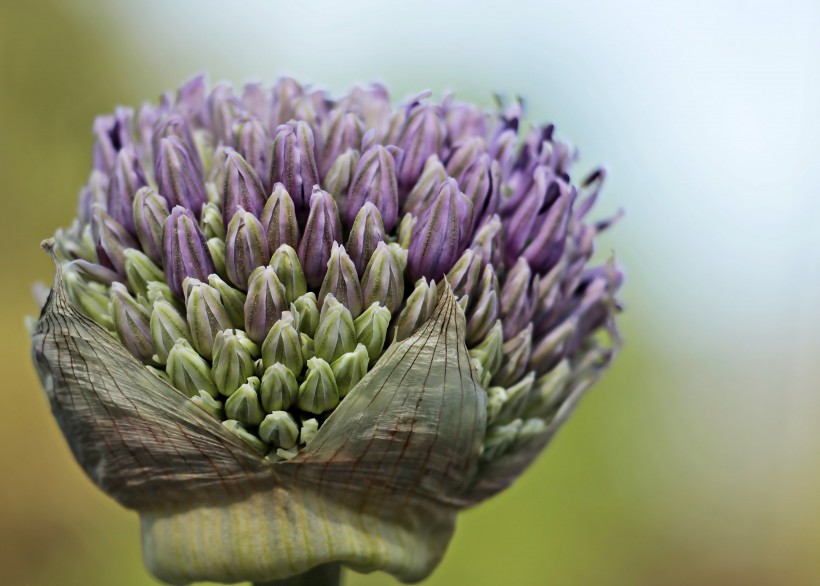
(327, 575)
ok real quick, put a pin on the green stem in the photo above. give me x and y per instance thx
(327, 575)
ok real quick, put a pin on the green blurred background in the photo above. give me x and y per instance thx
(695, 461)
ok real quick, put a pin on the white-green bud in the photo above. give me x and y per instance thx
(418, 308)
(484, 308)
(552, 345)
(206, 315)
(210, 405)
(162, 292)
(371, 329)
(340, 175)
(496, 397)
(232, 299)
(132, 323)
(408, 222)
(285, 262)
(217, 249)
(243, 405)
(307, 308)
(239, 430)
(518, 395)
(342, 281)
(278, 389)
(232, 363)
(141, 271)
(336, 334)
(283, 345)
(350, 368)
(488, 354)
(167, 326)
(265, 303)
(516, 353)
(499, 439)
(308, 430)
(92, 298)
(189, 372)
(279, 429)
(529, 430)
(383, 278)
(319, 392)
(548, 390)
(308, 347)
(212, 224)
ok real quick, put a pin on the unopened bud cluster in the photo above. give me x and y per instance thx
(261, 251)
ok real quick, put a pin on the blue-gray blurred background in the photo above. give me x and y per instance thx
(695, 461)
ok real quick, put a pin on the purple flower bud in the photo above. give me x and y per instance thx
(222, 108)
(427, 187)
(294, 162)
(463, 120)
(255, 100)
(375, 181)
(480, 182)
(441, 235)
(344, 132)
(422, 135)
(132, 322)
(279, 219)
(251, 140)
(178, 179)
(185, 250)
(94, 192)
(176, 126)
(245, 248)
(365, 235)
(112, 133)
(242, 188)
(127, 177)
(463, 155)
(190, 99)
(518, 298)
(265, 303)
(340, 176)
(285, 93)
(322, 230)
(112, 240)
(342, 281)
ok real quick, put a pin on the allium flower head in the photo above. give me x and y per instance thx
(292, 330)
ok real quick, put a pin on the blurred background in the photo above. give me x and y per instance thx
(696, 460)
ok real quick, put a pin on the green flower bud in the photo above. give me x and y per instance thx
(279, 219)
(516, 352)
(408, 222)
(308, 346)
(160, 373)
(529, 430)
(285, 262)
(485, 307)
(243, 406)
(217, 249)
(92, 298)
(162, 292)
(350, 368)
(328, 305)
(239, 431)
(141, 271)
(308, 430)
(265, 303)
(549, 390)
(319, 392)
(488, 354)
(278, 389)
(336, 334)
(232, 299)
(465, 274)
(383, 278)
(418, 309)
(283, 345)
(212, 224)
(496, 397)
(246, 248)
(210, 405)
(307, 308)
(340, 175)
(552, 345)
(167, 326)
(279, 429)
(206, 316)
(499, 439)
(518, 396)
(371, 329)
(188, 370)
(342, 281)
(132, 323)
(232, 364)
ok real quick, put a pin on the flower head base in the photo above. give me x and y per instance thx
(273, 303)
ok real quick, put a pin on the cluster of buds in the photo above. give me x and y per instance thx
(268, 254)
